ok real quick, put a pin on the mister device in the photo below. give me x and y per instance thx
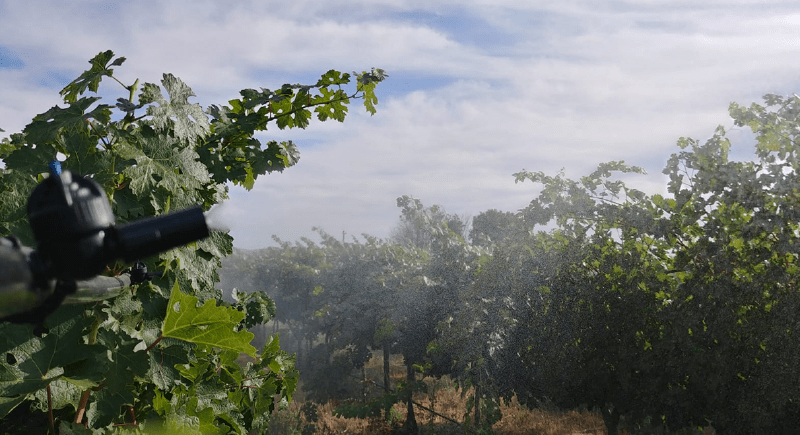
(77, 236)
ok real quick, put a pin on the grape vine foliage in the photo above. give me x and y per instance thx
(164, 355)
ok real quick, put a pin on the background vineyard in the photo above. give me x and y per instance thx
(663, 313)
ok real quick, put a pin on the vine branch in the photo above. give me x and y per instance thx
(321, 103)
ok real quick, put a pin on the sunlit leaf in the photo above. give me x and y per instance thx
(208, 324)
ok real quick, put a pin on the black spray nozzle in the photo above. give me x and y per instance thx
(70, 216)
(75, 229)
(140, 274)
(149, 236)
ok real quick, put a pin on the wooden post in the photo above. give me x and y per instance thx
(411, 421)
(386, 357)
(478, 392)
(364, 384)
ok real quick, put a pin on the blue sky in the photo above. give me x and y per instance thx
(478, 89)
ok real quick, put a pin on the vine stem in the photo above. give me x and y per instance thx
(154, 343)
(85, 395)
(82, 406)
(132, 414)
(102, 139)
(120, 83)
(355, 96)
(132, 88)
(50, 410)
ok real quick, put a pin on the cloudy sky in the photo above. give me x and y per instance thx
(478, 89)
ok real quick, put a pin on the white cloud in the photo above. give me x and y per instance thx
(563, 84)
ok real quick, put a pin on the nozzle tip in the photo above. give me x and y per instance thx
(55, 167)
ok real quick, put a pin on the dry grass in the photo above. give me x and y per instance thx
(518, 420)
(330, 424)
(445, 398)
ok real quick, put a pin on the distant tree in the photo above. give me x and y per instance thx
(237, 272)
(493, 226)
(678, 309)
(438, 327)
(290, 274)
(417, 224)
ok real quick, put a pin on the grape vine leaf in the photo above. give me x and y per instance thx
(47, 126)
(31, 363)
(164, 360)
(91, 78)
(188, 122)
(9, 403)
(14, 190)
(208, 324)
(257, 305)
(124, 366)
(336, 108)
(163, 173)
(368, 82)
(62, 394)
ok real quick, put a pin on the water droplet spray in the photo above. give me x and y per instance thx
(218, 217)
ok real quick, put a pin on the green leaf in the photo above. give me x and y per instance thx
(333, 77)
(163, 362)
(91, 78)
(188, 122)
(335, 106)
(209, 324)
(163, 170)
(125, 365)
(259, 307)
(72, 428)
(7, 146)
(84, 156)
(367, 82)
(15, 187)
(62, 394)
(7, 404)
(45, 127)
(38, 361)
